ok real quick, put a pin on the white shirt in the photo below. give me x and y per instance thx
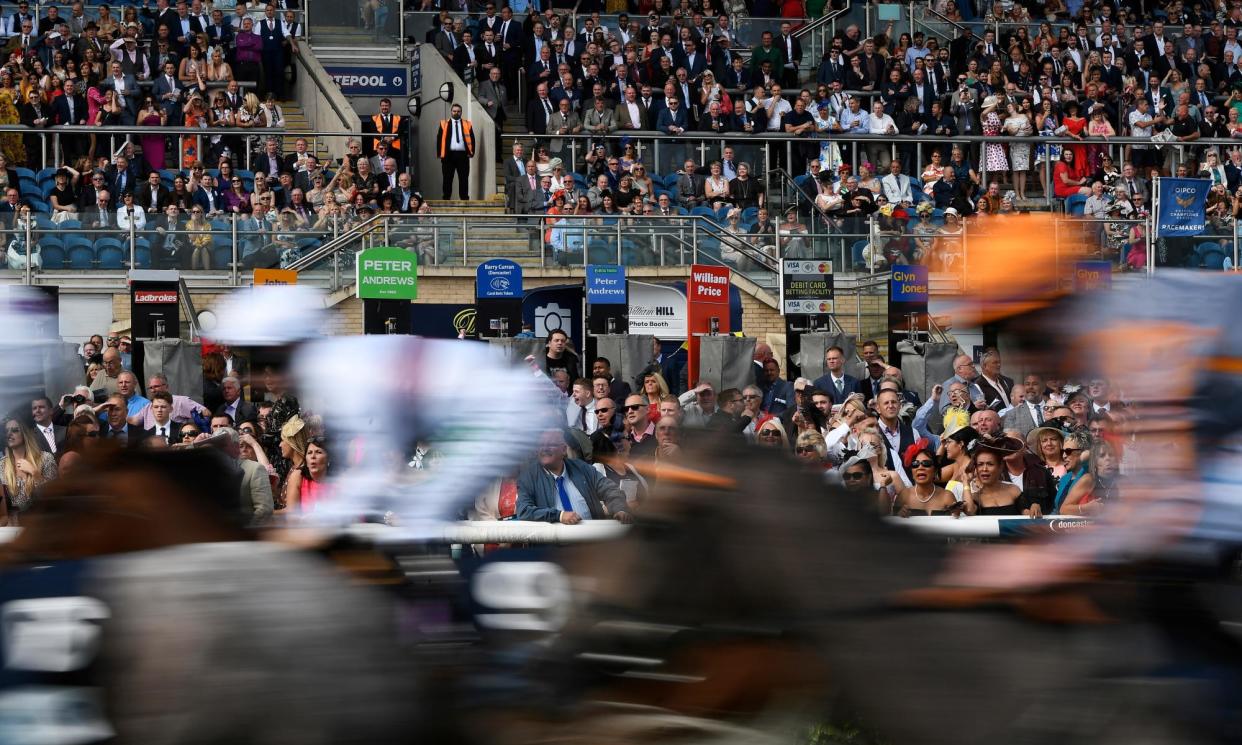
(775, 115)
(581, 508)
(574, 419)
(882, 124)
(163, 430)
(1004, 394)
(635, 115)
(456, 141)
(49, 434)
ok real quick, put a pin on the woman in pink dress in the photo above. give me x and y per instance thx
(94, 99)
(152, 145)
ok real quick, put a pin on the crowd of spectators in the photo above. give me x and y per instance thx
(981, 444)
(608, 88)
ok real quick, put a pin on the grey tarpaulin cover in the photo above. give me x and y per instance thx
(814, 345)
(629, 355)
(519, 348)
(179, 360)
(727, 361)
(921, 372)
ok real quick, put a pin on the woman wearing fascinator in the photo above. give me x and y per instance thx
(923, 497)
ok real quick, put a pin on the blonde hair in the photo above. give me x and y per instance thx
(660, 383)
(881, 460)
(296, 433)
(250, 102)
(31, 452)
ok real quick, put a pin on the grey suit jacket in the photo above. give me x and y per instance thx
(623, 117)
(690, 190)
(596, 118)
(569, 122)
(1019, 418)
(525, 199)
(256, 492)
(539, 500)
(493, 97)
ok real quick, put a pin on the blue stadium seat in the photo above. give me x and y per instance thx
(47, 174)
(110, 253)
(70, 224)
(1075, 205)
(1208, 255)
(669, 181)
(28, 187)
(704, 211)
(38, 205)
(44, 222)
(722, 215)
(305, 244)
(81, 252)
(52, 250)
(25, 173)
(221, 256)
(748, 214)
(142, 256)
(601, 251)
(45, 189)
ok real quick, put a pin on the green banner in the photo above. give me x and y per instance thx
(387, 274)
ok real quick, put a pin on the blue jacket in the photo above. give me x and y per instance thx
(668, 119)
(824, 383)
(778, 397)
(539, 500)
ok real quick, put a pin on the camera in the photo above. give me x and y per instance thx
(550, 317)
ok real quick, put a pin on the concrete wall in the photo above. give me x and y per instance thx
(483, 164)
(327, 109)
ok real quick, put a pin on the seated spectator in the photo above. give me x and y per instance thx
(558, 489)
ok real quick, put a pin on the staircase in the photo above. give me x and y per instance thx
(295, 122)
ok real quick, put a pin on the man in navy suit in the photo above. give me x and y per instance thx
(694, 61)
(273, 53)
(778, 394)
(836, 383)
(559, 490)
(70, 109)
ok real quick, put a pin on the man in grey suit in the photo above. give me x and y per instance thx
(1026, 416)
(690, 187)
(555, 489)
(600, 120)
(964, 108)
(492, 95)
(564, 121)
(514, 171)
(256, 489)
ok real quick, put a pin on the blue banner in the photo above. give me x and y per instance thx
(605, 284)
(1182, 206)
(369, 80)
(909, 284)
(498, 279)
(442, 320)
(1093, 275)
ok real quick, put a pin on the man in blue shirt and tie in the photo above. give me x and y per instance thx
(558, 489)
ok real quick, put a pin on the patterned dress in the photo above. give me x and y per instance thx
(994, 159)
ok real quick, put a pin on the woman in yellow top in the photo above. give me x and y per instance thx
(11, 143)
(199, 229)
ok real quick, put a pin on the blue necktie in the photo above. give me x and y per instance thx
(560, 489)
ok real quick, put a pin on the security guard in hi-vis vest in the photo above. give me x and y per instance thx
(386, 123)
(455, 146)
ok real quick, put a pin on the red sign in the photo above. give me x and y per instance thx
(708, 284)
(706, 292)
(155, 296)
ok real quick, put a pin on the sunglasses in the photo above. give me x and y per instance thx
(1071, 451)
(805, 451)
(770, 434)
(634, 407)
(751, 397)
(922, 464)
(847, 476)
(189, 433)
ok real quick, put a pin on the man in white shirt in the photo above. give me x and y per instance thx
(882, 125)
(53, 435)
(161, 410)
(580, 410)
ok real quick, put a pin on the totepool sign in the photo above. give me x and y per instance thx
(368, 80)
(387, 274)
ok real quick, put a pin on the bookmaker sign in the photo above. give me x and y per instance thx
(387, 274)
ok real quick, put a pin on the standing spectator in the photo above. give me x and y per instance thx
(455, 147)
(273, 53)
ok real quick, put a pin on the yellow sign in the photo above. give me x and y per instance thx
(275, 277)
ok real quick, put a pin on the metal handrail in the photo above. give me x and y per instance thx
(697, 224)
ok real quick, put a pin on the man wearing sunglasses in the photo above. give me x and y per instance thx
(557, 489)
(638, 427)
